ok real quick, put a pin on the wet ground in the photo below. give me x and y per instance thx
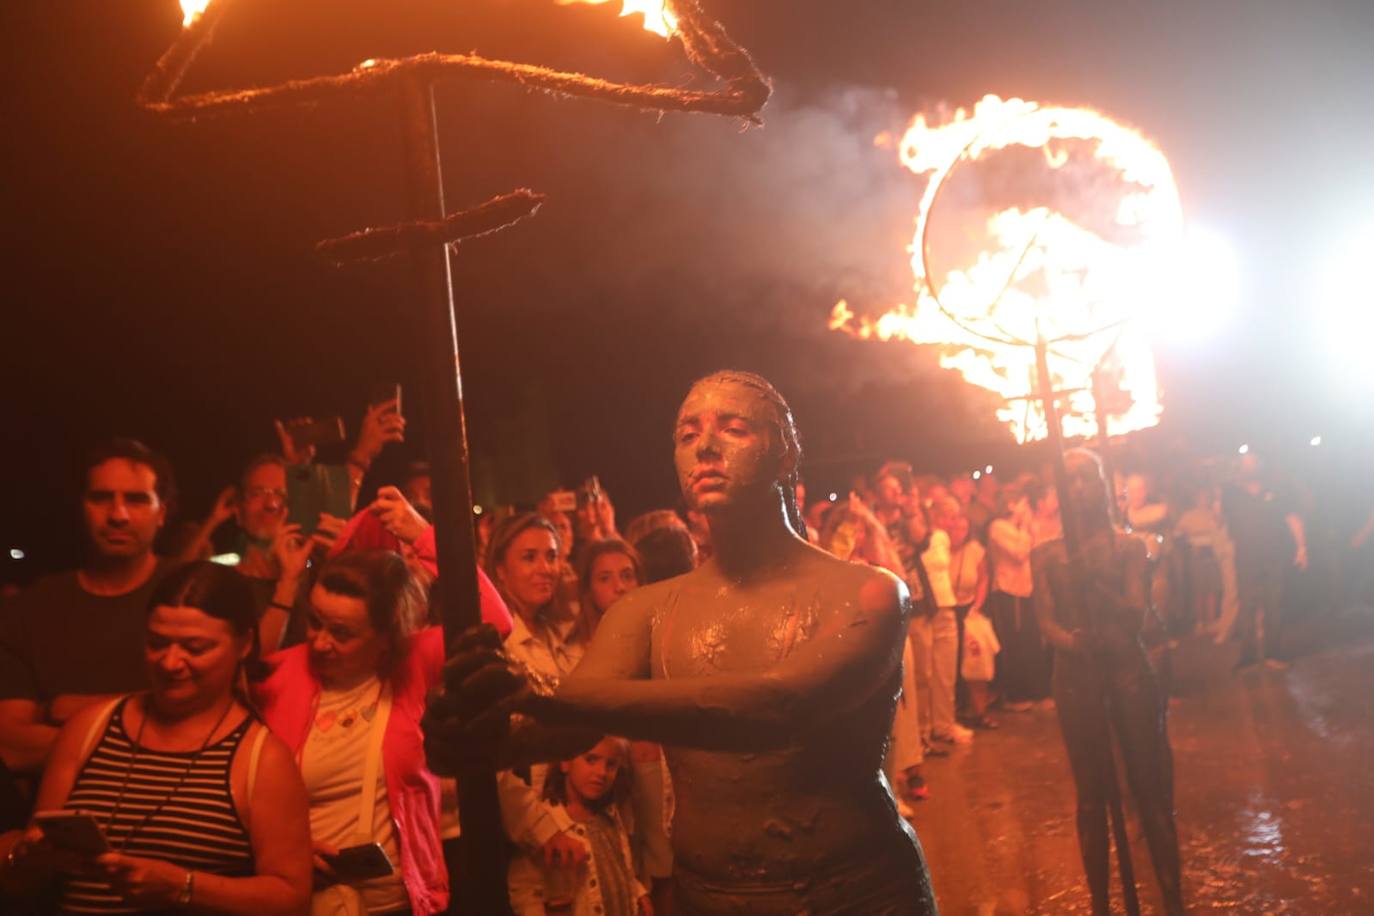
(1274, 787)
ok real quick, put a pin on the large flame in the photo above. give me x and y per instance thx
(657, 17)
(191, 10)
(1038, 222)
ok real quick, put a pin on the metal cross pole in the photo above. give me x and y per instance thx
(483, 867)
(1073, 542)
(1104, 439)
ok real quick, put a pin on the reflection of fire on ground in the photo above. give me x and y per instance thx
(1039, 222)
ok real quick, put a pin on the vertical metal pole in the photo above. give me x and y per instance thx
(1073, 541)
(483, 870)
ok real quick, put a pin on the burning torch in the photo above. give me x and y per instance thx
(423, 245)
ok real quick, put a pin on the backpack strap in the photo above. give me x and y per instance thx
(254, 758)
(98, 726)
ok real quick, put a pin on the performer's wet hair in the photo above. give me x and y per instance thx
(1076, 458)
(787, 435)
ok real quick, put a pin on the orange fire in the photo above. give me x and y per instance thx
(1038, 223)
(657, 17)
(191, 10)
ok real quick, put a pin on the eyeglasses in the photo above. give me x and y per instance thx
(261, 493)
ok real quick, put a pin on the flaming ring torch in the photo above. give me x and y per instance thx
(1045, 237)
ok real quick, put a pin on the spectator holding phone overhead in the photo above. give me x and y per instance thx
(196, 805)
(348, 704)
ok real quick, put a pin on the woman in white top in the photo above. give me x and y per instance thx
(1022, 673)
(943, 627)
(524, 560)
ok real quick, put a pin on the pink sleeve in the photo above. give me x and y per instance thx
(494, 610)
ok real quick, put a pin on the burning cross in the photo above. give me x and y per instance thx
(425, 242)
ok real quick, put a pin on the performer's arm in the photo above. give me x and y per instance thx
(854, 655)
(1295, 528)
(1043, 559)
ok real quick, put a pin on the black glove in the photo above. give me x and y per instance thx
(468, 722)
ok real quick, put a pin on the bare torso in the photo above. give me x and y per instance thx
(784, 816)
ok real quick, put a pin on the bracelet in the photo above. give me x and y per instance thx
(187, 889)
(281, 607)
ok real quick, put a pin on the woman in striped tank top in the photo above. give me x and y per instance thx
(201, 807)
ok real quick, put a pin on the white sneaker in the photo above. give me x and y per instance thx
(957, 734)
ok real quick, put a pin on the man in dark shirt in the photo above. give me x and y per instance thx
(75, 637)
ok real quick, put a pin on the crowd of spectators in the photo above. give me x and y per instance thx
(128, 682)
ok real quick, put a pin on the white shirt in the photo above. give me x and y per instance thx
(936, 562)
(1010, 548)
(332, 762)
(963, 571)
(552, 651)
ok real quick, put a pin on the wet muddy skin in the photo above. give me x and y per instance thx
(1274, 794)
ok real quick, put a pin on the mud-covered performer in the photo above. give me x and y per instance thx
(770, 675)
(1091, 608)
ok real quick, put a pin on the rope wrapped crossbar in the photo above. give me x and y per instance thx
(705, 42)
(383, 242)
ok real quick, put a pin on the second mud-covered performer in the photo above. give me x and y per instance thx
(1091, 608)
(769, 674)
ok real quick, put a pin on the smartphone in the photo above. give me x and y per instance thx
(321, 432)
(564, 500)
(313, 489)
(359, 863)
(72, 831)
(383, 393)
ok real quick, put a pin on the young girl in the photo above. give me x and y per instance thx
(588, 786)
(979, 662)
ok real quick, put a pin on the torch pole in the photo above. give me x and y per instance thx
(1104, 440)
(483, 869)
(1073, 542)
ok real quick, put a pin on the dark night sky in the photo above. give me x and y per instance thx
(161, 281)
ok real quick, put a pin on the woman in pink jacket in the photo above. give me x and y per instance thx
(348, 703)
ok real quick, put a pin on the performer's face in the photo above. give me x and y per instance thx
(1087, 493)
(726, 446)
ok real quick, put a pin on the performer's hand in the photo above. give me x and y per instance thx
(470, 720)
(1084, 643)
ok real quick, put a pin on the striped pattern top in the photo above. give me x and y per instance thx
(197, 827)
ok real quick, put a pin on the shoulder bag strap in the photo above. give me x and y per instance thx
(98, 726)
(367, 798)
(254, 758)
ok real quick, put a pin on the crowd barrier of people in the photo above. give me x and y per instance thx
(245, 734)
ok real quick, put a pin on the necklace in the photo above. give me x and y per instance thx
(129, 771)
